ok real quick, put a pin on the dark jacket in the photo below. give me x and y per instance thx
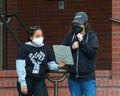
(84, 57)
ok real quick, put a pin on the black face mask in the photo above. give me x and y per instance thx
(77, 29)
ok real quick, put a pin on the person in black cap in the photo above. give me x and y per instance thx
(83, 42)
(33, 60)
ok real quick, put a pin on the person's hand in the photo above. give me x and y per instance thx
(61, 63)
(80, 37)
(75, 45)
(24, 89)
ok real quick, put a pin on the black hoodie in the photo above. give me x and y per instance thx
(84, 57)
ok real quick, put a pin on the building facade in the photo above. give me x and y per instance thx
(55, 18)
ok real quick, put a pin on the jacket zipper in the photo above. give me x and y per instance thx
(77, 63)
(77, 57)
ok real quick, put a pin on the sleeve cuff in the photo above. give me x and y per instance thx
(23, 83)
(53, 66)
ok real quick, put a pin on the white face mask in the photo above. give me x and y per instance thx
(38, 41)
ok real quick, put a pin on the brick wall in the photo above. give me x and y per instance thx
(12, 7)
(116, 40)
(106, 86)
(8, 83)
(56, 24)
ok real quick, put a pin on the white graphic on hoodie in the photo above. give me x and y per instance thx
(36, 59)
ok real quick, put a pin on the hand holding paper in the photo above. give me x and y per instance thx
(63, 53)
(61, 63)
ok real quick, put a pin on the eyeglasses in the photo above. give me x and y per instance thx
(35, 27)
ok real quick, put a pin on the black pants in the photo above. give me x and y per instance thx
(35, 87)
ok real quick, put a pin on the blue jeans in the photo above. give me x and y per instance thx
(87, 88)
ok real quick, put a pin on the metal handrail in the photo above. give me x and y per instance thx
(56, 81)
(19, 20)
(10, 30)
(6, 18)
(114, 20)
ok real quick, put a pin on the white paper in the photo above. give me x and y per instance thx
(63, 53)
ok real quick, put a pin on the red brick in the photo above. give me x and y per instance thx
(56, 24)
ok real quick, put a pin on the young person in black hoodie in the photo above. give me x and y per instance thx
(84, 45)
(33, 60)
